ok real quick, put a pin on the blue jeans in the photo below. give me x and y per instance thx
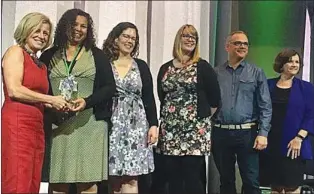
(229, 146)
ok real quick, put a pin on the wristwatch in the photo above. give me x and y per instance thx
(300, 136)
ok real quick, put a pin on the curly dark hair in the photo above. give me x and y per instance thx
(65, 25)
(109, 46)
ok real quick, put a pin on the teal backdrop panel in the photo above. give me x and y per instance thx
(272, 26)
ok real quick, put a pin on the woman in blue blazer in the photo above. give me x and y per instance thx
(292, 121)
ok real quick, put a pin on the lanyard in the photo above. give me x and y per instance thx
(68, 67)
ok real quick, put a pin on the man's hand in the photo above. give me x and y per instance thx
(260, 142)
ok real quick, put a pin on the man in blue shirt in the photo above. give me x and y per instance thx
(242, 123)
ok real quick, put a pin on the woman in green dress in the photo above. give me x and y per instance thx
(82, 74)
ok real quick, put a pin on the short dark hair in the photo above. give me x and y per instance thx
(284, 57)
(233, 33)
(65, 27)
(109, 47)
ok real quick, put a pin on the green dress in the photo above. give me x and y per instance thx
(79, 150)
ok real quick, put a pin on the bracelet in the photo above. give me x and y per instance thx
(300, 136)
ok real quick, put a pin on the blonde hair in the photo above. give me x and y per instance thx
(28, 25)
(177, 50)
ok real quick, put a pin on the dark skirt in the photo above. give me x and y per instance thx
(280, 171)
(277, 170)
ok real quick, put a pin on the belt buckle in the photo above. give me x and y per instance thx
(247, 125)
(232, 126)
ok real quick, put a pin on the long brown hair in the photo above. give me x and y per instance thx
(110, 48)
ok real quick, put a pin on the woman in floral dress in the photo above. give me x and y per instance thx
(134, 115)
(189, 94)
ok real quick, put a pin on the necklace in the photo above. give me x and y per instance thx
(34, 57)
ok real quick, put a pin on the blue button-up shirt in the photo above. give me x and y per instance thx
(245, 96)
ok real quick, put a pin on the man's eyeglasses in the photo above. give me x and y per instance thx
(239, 43)
(128, 37)
(187, 37)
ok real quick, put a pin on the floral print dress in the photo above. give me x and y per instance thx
(181, 132)
(129, 152)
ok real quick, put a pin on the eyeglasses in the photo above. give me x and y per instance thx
(187, 37)
(239, 43)
(128, 37)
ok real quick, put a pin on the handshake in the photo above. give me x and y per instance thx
(61, 104)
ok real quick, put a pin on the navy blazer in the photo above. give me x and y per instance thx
(299, 115)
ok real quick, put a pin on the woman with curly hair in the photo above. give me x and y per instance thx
(80, 72)
(134, 116)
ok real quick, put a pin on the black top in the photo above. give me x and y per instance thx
(148, 93)
(104, 83)
(280, 100)
(208, 91)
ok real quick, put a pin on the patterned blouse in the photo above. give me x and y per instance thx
(181, 132)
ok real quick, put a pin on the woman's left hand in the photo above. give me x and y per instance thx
(152, 135)
(294, 148)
